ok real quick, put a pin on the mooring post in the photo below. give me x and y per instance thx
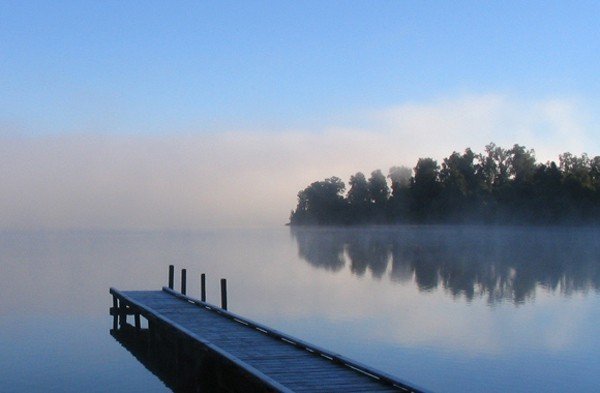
(203, 287)
(224, 294)
(171, 276)
(183, 278)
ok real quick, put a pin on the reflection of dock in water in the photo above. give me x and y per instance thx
(158, 359)
(195, 346)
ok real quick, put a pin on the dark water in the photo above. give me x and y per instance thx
(448, 308)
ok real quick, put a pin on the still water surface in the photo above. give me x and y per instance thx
(451, 309)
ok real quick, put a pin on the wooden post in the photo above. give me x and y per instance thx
(171, 276)
(203, 287)
(183, 278)
(224, 294)
(115, 314)
(138, 323)
(122, 315)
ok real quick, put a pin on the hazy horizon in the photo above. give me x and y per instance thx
(171, 116)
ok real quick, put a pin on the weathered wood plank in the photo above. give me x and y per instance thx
(285, 365)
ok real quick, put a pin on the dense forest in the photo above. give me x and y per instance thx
(501, 186)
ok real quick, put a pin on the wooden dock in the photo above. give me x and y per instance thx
(217, 350)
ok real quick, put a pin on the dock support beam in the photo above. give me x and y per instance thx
(203, 287)
(115, 315)
(183, 279)
(224, 294)
(171, 276)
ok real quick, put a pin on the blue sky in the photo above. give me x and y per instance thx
(117, 114)
(163, 66)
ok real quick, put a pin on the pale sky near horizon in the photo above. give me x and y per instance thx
(158, 115)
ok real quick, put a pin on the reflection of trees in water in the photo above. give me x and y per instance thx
(367, 253)
(322, 249)
(501, 263)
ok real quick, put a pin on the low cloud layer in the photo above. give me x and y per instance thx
(251, 178)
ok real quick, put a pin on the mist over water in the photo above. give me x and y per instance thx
(134, 137)
(449, 308)
(495, 263)
(192, 178)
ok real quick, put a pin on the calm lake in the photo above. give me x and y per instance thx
(450, 309)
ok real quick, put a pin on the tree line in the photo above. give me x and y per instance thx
(503, 186)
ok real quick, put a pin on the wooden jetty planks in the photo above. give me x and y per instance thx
(263, 351)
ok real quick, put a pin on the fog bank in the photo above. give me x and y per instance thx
(251, 178)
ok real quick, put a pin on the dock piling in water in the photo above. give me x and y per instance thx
(113, 312)
(203, 287)
(137, 321)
